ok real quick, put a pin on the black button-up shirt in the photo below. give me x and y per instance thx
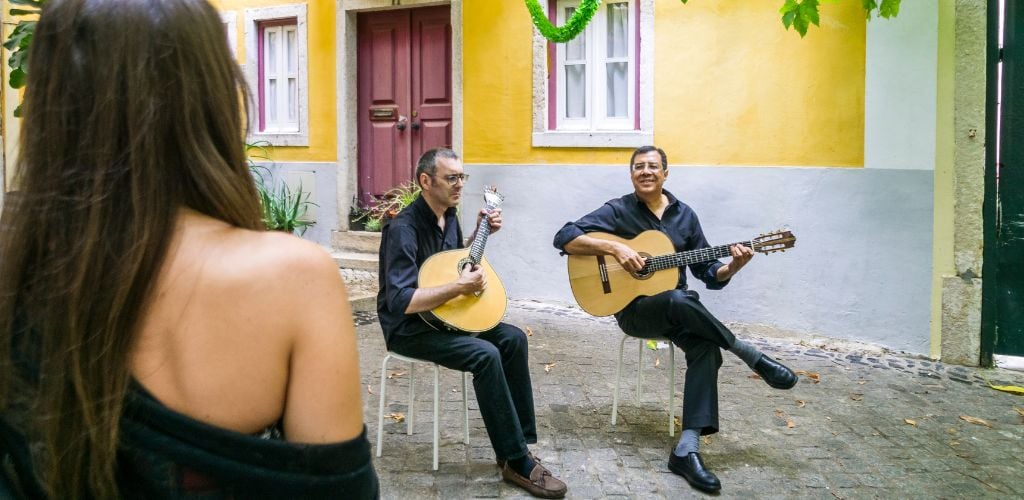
(628, 216)
(406, 242)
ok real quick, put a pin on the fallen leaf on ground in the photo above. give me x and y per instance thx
(954, 443)
(707, 439)
(754, 376)
(1019, 411)
(369, 389)
(548, 367)
(778, 413)
(395, 374)
(652, 345)
(657, 362)
(397, 417)
(800, 403)
(911, 422)
(856, 396)
(529, 332)
(1012, 389)
(811, 375)
(975, 420)
(861, 382)
(790, 424)
(679, 423)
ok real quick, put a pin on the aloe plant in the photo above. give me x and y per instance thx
(282, 208)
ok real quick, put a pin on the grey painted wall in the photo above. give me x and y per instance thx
(321, 178)
(861, 269)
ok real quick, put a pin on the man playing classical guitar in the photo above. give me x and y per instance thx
(497, 357)
(676, 314)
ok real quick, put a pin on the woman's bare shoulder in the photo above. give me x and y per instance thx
(278, 260)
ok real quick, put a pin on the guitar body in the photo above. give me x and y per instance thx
(468, 313)
(602, 287)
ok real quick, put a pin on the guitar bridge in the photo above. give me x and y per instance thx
(602, 268)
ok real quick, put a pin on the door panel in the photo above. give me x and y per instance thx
(1003, 286)
(432, 85)
(383, 93)
(404, 93)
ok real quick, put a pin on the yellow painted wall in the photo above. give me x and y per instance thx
(945, 199)
(323, 135)
(731, 87)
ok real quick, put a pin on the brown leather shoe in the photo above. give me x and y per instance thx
(540, 484)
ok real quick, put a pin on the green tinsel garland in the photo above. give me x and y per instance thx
(574, 26)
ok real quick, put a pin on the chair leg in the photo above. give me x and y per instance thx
(412, 400)
(437, 410)
(380, 413)
(639, 371)
(465, 403)
(618, 381)
(672, 390)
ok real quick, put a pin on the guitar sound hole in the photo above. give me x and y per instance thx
(462, 264)
(646, 272)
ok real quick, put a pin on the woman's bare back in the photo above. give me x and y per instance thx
(247, 328)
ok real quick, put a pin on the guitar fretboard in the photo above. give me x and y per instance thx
(476, 250)
(680, 259)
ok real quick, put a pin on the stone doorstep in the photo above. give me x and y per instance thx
(356, 241)
(363, 302)
(356, 260)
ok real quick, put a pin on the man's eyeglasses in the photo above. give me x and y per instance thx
(640, 167)
(455, 178)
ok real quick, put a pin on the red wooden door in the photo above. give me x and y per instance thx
(404, 89)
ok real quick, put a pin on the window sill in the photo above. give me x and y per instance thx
(281, 139)
(580, 139)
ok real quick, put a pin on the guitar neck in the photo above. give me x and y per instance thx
(476, 250)
(685, 258)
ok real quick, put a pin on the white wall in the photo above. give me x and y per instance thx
(861, 269)
(900, 88)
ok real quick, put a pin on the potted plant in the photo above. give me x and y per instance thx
(383, 208)
(282, 208)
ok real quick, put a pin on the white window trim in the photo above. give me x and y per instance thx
(252, 74)
(542, 137)
(230, 21)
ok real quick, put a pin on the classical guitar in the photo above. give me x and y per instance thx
(601, 286)
(468, 313)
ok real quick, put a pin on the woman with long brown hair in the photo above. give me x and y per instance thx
(150, 330)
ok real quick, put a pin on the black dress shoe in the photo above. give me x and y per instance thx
(774, 373)
(691, 467)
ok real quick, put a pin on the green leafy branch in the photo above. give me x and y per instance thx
(18, 42)
(800, 14)
(573, 27)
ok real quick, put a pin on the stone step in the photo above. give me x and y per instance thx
(356, 241)
(362, 288)
(356, 260)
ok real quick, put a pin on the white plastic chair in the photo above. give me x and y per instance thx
(411, 416)
(639, 380)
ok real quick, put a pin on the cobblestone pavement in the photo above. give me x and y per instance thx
(860, 424)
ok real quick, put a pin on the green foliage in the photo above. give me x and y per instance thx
(282, 208)
(800, 14)
(18, 42)
(384, 208)
(573, 27)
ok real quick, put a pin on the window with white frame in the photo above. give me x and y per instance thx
(279, 76)
(598, 91)
(595, 83)
(276, 67)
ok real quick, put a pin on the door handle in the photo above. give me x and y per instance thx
(416, 125)
(401, 123)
